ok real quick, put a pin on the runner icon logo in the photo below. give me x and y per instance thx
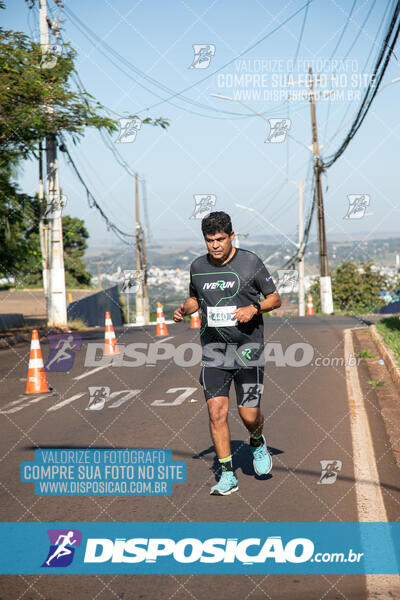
(202, 56)
(128, 130)
(278, 130)
(252, 392)
(204, 203)
(358, 204)
(62, 351)
(247, 353)
(62, 547)
(99, 395)
(329, 471)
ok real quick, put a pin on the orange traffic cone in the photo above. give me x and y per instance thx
(110, 341)
(195, 321)
(161, 328)
(36, 382)
(310, 306)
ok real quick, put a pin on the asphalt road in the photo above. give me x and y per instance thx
(307, 416)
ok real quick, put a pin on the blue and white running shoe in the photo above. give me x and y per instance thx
(262, 460)
(226, 485)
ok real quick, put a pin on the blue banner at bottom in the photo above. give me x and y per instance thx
(200, 548)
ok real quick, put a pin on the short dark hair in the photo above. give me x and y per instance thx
(216, 222)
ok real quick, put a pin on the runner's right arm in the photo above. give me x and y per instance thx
(191, 303)
(190, 306)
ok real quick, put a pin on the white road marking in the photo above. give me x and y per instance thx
(164, 339)
(91, 372)
(65, 402)
(187, 391)
(128, 396)
(370, 504)
(26, 402)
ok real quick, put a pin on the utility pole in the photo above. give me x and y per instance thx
(301, 291)
(43, 229)
(236, 239)
(139, 292)
(325, 279)
(56, 298)
(98, 263)
(146, 305)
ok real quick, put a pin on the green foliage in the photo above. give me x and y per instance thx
(75, 235)
(364, 354)
(19, 215)
(27, 90)
(390, 331)
(355, 288)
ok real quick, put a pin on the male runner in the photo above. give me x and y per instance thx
(225, 284)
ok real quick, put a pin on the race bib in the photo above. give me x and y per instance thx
(220, 316)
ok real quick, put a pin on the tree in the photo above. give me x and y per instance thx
(75, 235)
(355, 288)
(26, 89)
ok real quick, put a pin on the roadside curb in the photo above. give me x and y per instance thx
(12, 340)
(387, 355)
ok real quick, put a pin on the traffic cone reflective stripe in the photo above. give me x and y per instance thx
(110, 341)
(195, 321)
(310, 306)
(161, 328)
(36, 382)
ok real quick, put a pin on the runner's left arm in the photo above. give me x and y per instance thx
(265, 286)
(264, 283)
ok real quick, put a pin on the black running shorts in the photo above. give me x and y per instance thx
(248, 384)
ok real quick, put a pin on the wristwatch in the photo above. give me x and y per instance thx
(257, 306)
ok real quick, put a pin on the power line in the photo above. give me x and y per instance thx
(282, 24)
(92, 202)
(156, 83)
(301, 34)
(373, 86)
(333, 54)
(363, 70)
(100, 45)
(360, 29)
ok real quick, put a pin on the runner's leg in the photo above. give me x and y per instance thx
(218, 408)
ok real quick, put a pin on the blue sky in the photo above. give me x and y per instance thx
(219, 153)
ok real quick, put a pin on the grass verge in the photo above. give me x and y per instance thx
(390, 331)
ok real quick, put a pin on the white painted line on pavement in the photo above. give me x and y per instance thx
(370, 504)
(91, 372)
(164, 339)
(65, 402)
(26, 402)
